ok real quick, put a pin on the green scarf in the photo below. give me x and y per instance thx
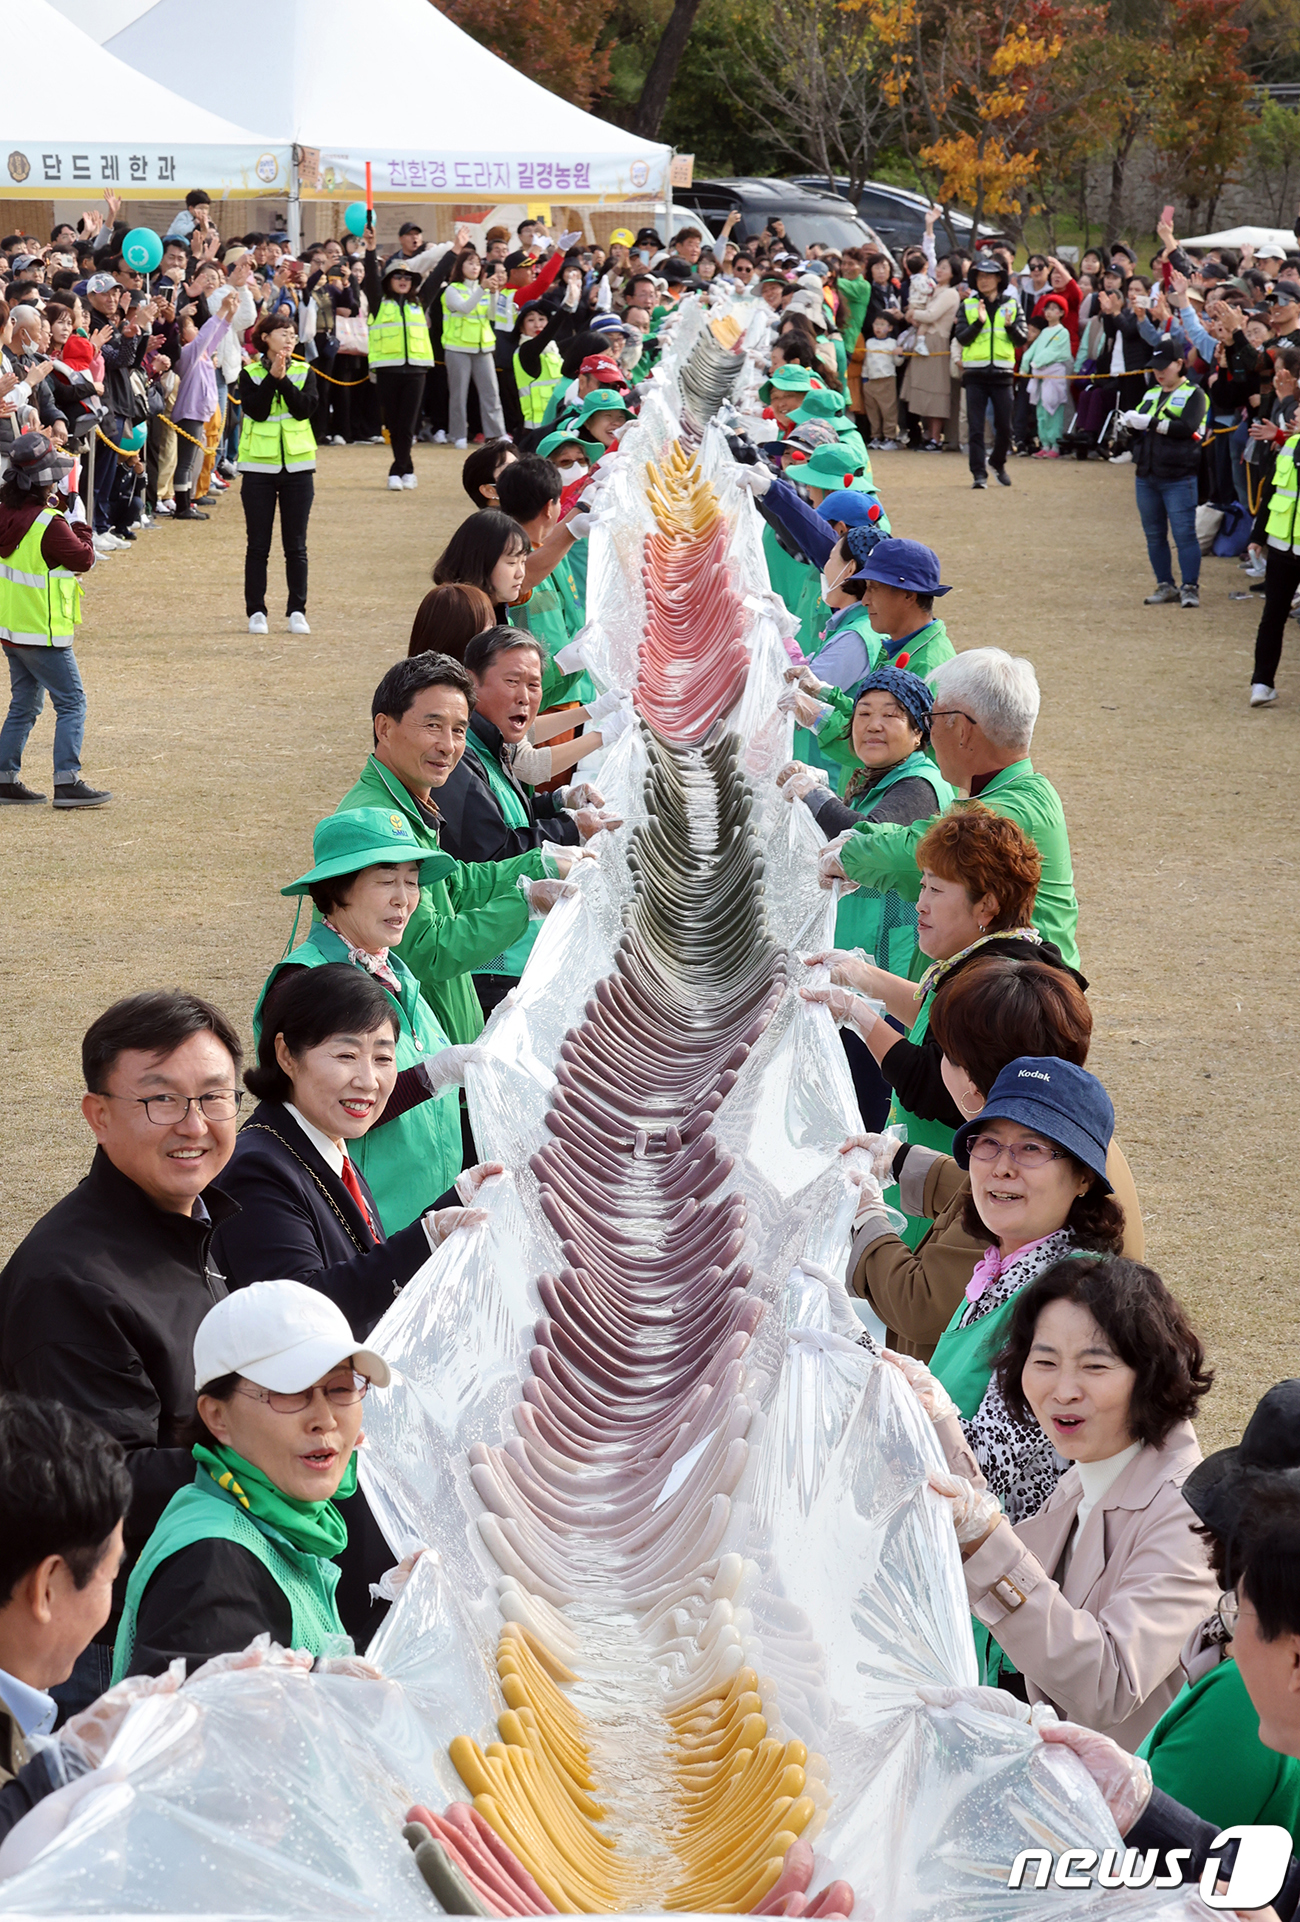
(314, 1528)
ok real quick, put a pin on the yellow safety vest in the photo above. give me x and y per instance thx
(992, 348)
(399, 335)
(1282, 503)
(535, 395)
(470, 333)
(40, 606)
(267, 446)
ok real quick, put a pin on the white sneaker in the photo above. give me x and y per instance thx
(1121, 460)
(298, 624)
(394, 483)
(257, 624)
(410, 481)
(107, 543)
(462, 443)
(337, 440)
(440, 438)
(1261, 696)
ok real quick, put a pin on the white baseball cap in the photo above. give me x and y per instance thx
(281, 1335)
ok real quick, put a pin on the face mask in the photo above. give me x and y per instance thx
(829, 586)
(570, 470)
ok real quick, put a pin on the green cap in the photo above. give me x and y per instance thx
(553, 443)
(833, 467)
(790, 380)
(365, 838)
(601, 400)
(822, 404)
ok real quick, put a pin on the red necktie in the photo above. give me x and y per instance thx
(353, 1187)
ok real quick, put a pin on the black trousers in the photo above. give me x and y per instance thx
(1281, 579)
(984, 391)
(401, 393)
(259, 494)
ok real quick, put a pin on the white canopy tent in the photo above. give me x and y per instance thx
(1279, 240)
(101, 123)
(453, 124)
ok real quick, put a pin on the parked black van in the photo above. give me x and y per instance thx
(897, 214)
(807, 213)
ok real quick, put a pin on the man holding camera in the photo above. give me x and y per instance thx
(41, 554)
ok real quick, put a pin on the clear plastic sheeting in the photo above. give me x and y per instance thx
(830, 1571)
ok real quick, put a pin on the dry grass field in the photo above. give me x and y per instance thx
(222, 751)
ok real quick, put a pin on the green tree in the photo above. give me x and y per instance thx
(1275, 151)
(1201, 127)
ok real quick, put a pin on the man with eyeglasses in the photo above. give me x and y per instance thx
(100, 1303)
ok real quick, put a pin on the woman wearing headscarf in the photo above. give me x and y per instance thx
(1085, 1601)
(251, 1547)
(895, 780)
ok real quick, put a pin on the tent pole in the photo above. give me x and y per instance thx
(294, 221)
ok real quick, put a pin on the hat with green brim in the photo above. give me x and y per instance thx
(822, 404)
(834, 467)
(601, 400)
(789, 380)
(554, 442)
(365, 838)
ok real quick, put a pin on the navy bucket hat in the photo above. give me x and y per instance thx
(909, 565)
(1066, 1104)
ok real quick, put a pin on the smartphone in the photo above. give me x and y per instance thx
(1167, 215)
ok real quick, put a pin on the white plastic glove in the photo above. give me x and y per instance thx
(354, 1665)
(581, 795)
(928, 1389)
(543, 895)
(800, 786)
(394, 1580)
(975, 1512)
(441, 1222)
(882, 1148)
(830, 868)
(810, 712)
(470, 1180)
(1138, 421)
(989, 1701)
(870, 1196)
(570, 658)
(261, 1652)
(87, 1738)
(844, 1005)
(446, 1068)
(1123, 1779)
(565, 241)
(615, 725)
(606, 703)
(754, 479)
(590, 821)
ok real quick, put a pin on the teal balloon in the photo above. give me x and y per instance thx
(355, 218)
(142, 249)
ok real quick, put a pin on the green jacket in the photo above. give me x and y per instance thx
(412, 1161)
(1205, 1751)
(884, 855)
(924, 650)
(468, 913)
(553, 614)
(856, 298)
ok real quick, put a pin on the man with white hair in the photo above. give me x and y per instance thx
(985, 706)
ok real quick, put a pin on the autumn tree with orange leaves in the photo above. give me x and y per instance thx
(557, 45)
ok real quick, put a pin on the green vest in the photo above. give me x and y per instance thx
(554, 614)
(878, 920)
(1282, 501)
(399, 335)
(514, 959)
(40, 606)
(203, 1512)
(963, 1360)
(468, 333)
(1173, 403)
(267, 446)
(992, 348)
(1205, 1751)
(413, 1160)
(534, 394)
